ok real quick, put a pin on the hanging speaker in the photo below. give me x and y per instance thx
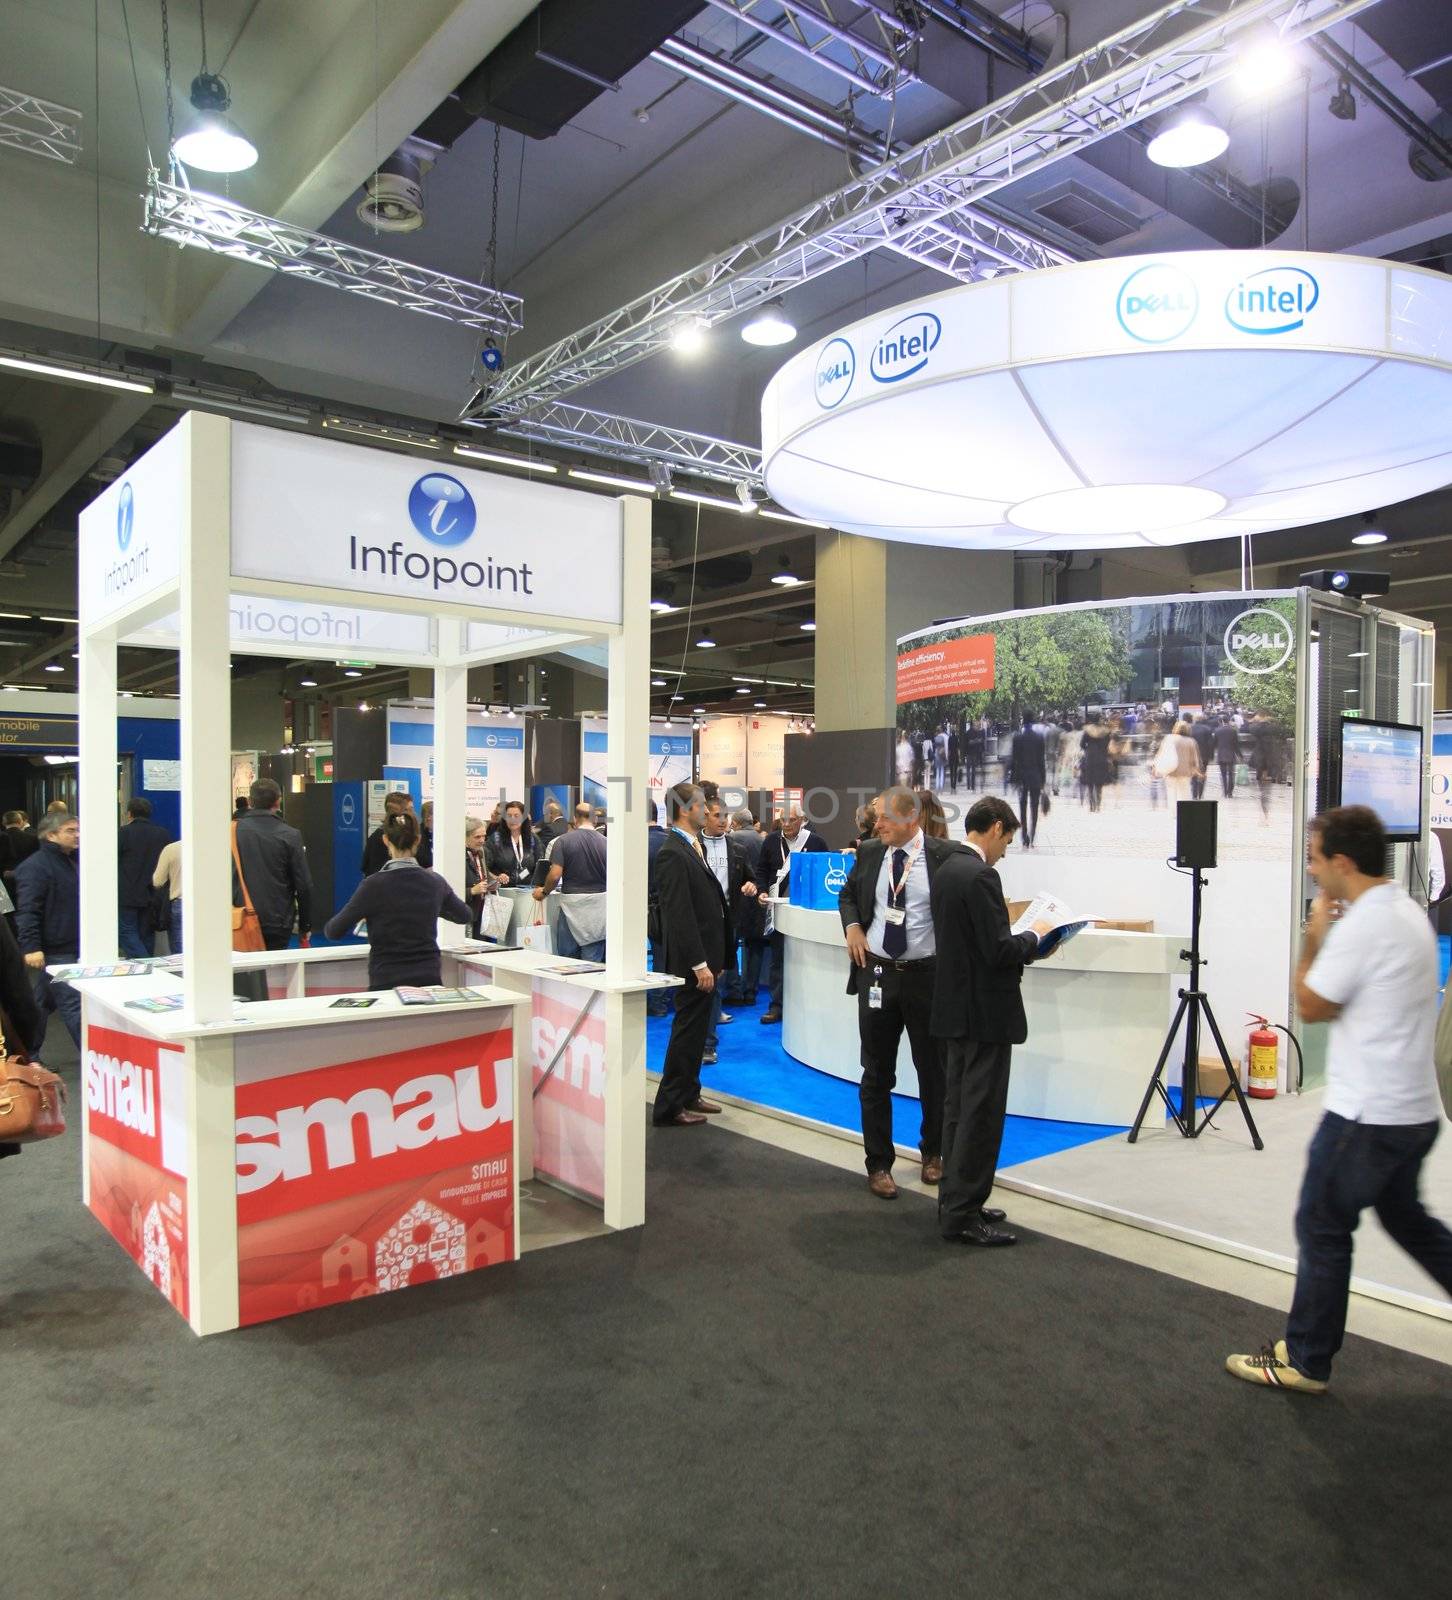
(1195, 832)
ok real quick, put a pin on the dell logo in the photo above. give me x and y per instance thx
(905, 347)
(1258, 641)
(1277, 300)
(836, 368)
(125, 516)
(347, 810)
(441, 509)
(1157, 303)
(834, 880)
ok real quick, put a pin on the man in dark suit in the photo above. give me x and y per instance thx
(1204, 736)
(1227, 753)
(696, 929)
(727, 858)
(138, 846)
(658, 1001)
(887, 917)
(1028, 774)
(775, 879)
(978, 1014)
(751, 939)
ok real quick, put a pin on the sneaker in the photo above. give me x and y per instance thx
(725, 1018)
(1273, 1366)
(708, 1058)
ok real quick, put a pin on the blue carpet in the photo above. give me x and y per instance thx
(1444, 958)
(754, 1067)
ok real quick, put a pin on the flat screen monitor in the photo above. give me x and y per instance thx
(1381, 767)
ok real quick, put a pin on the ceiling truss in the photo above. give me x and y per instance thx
(1145, 69)
(876, 66)
(39, 127)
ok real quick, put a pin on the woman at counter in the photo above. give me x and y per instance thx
(401, 904)
(511, 851)
(478, 881)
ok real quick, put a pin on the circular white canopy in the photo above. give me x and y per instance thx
(1141, 401)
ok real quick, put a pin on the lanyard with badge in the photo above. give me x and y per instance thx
(896, 914)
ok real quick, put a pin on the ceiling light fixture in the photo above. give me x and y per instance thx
(689, 339)
(769, 326)
(307, 683)
(53, 666)
(808, 627)
(1188, 138)
(352, 672)
(631, 485)
(521, 462)
(719, 501)
(52, 369)
(759, 705)
(70, 621)
(658, 683)
(1264, 66)
(663, 607)
(1369, 534)
(210, 141)
(743, 691)
(705, 642)
(746, 500)
(377, 430)
(1343, 103)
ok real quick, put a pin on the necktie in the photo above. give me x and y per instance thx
(894, 934)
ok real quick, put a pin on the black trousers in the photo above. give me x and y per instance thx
(1028, 811)
(907, 1002)
(975, 1100)
(680, 1083)
(1227, 778)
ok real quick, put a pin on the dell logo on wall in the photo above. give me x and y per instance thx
(836, 368)
(125, 516)
(1277, 300)
(1258, 641)
(347, 810)
(442, 509)
(1157, 303)
(905, 347)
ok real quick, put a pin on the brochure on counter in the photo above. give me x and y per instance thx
(119, 969)
(1064, 922)
(436, 994)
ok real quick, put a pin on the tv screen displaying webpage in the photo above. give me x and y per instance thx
(1381, 767)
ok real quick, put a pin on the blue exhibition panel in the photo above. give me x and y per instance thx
(818, 878)
(350, 833)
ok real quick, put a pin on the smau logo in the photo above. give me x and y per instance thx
(441, 509)
(1157, 303)
(905, 347)
(1277, 300)
(836, 368)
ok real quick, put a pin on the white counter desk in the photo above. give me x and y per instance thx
(1097, 1011)
(301, 1153)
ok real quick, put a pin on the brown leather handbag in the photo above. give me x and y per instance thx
(246, 929)
(32, 1100)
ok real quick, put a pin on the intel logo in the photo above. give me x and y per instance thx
(1277, 300)
(125, 516)
(442, 509)
(905, 347)
(1258, 641)
(836, 368)
(1157, 303)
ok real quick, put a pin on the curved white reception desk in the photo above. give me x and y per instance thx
(1097, 1011)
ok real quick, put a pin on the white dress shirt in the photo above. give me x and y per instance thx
(920, 941)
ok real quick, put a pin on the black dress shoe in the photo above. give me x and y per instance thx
(993, 1214)
(682, 1119)
(982, 1233)
(771, 1016)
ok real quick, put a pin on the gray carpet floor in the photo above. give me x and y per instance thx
(778, 1387)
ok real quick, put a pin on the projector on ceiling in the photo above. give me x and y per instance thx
(1338, 580)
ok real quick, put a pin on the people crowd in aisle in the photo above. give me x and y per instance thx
(48, 914)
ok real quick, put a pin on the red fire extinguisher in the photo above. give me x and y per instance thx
(1264, 1067)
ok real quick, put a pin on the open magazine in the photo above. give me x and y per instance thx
(1063, 922)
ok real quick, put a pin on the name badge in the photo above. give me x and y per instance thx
(896, 915)
(874, 998)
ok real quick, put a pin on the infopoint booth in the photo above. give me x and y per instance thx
(258, 1160)
(1118, 406)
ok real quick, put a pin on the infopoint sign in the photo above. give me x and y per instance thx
(130, 535)
(337, 516)
(1160, 302)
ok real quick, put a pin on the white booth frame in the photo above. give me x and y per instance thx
(189, 610)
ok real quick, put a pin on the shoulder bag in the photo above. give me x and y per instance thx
(246, 929)
(32, 1100)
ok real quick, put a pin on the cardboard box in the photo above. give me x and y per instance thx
(1127, 924)
(1211, 1075)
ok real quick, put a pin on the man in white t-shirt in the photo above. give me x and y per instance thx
(1368, 967)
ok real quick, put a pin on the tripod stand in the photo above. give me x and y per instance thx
(1194, 1004)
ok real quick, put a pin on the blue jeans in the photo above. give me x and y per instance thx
(715, 1021)
(134, 934)
(566, 944)
(51, 996)
(658, 1001)
(174, 928)
(1352, 1166)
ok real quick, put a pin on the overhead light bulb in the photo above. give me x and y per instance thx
(1369, 534)
(211, 141)
(657, 683)
(771, 325)
(759, 705)
(307, 683)
(1188, 138)
(743, 691)
(808, 627)
(352, 672)
(1264, 67)
(744, 495)
(689, 339)
(662, 606)
(705, 642)
(52, 666)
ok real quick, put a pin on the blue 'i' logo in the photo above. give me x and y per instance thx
(442, 509)
(125, 516)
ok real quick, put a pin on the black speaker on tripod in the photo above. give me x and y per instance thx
(1196, 824)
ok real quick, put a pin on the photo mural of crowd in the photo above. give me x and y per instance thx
(1091, 721)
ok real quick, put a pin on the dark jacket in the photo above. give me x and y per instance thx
(858, 899)
(1026, 760)
(976, 992)
(48, 903)
(695, 919)
(499, 853)
(376, 857)
(1227, 742)
(774, 851)
(1204, 736)
(138, 845)
(275, 865)
(401, 905)
(17, 999)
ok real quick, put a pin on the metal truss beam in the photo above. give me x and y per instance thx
(1145, 69)
(812, 27)
(626, 439)
(205, 222)
(39, 127)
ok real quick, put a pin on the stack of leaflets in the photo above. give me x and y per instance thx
(159, 1002)
(1063, 923)
(435, 994)
(112, 969)
(568, 965)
